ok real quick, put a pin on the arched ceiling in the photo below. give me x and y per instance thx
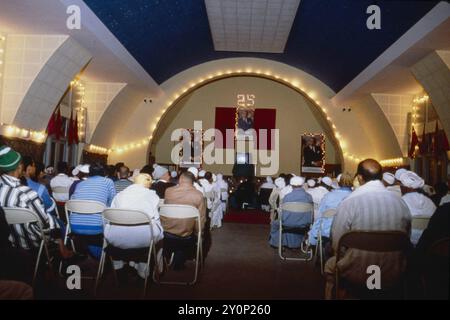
(328, 39)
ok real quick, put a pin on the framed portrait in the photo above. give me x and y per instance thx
(313, 153)
(245, 123)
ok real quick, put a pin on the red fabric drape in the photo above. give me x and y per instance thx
(225, 119)
(58, 125)
(265, 119)
(51, 125)
(75, 129)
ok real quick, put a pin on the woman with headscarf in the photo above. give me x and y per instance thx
(137, 196)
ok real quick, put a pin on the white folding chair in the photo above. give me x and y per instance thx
(26, 216)
(298, 208)
(80, 207)
(127, 218)
(327, 214)
(177, 211)
(160, 203)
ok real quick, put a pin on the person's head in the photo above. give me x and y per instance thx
(187, 178)
(388, 179)
(326, 182)
(161, 173)
(441, 188)
(29, 167)
(369, 170)
(10, 162)
(288, 178)
(119, 165)
(62, 167)
(147, 169)
(97, 169)
(143, 179)
(194, 172)
(309, 141)
(124, 172)
(49, 170)
(242, 114)
(411, 182)
(209, 176)
(297, 182)
(346, 180)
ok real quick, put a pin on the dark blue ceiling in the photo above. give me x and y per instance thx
(329, 38)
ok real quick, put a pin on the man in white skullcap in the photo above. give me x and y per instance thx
(399, 172)
(174, 177)
(292, 219)
(82, 172)
(311, 183)
(162, 177)
(418, 203)
(197, 186)
(319, 192)
(201, 174)
(389, 183)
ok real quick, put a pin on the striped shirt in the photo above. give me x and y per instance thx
(122, 184)
(371, 207)
(98, 189)
(14, 195)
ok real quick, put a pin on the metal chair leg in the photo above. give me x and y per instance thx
(147, 270)
(36, 268)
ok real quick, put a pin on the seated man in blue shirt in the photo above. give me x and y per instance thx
(96, 188)
(330, 201)
(292, 219)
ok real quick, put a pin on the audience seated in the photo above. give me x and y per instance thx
(162, 177)
(292, 219)
(220, 188)
(137, 196)
(63, 181)
(197, 186)
(96, 188)
(369, 207)
(179, 234)
(264, 193)
(331, 200)
(418, 203)
(122, 182)
(13, 194)
(275, 195)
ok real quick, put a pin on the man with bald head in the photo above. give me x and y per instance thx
(122, 183)
(370, 207)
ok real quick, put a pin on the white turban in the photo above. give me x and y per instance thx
(338, 178)
(389, 178)
(159, 172)
(201, 174)
(297, 181)
(280, 183)
(335, 185)
(173, 174)
(399, 172)
(411, 180)
(327, 181)
(311, 183)
(194, 171)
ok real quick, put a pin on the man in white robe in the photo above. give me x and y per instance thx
(389, 183)
(137, 196)
(319, 192)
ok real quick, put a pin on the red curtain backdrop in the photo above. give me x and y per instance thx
(225, 119)
(265, 119)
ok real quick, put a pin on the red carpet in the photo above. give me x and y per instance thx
(247, 216)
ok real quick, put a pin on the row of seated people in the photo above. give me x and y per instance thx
(372, 202)
(19, 188)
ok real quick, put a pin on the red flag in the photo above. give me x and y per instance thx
(75, 129)
(70, 137)
(58, 125)
(443, 142)
(414, 143)
(51, 125)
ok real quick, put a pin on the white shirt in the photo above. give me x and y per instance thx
(317, 194)
(63, 181)
(396, 189)
(286, 190)
(135, 197)
(419, 204)
(207, 187)
(199, 188)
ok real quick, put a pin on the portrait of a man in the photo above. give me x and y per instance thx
(245, 119)
(313, 153)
